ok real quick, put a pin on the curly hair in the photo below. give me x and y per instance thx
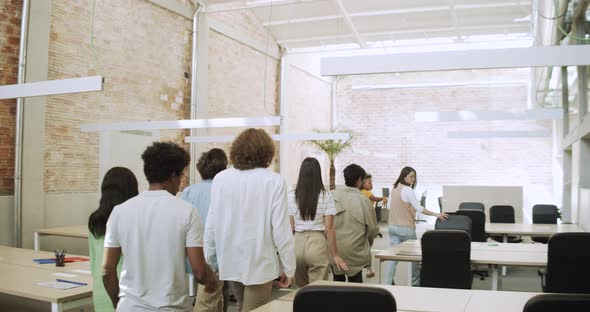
(163, 160)
(253, 148)
(211, 163)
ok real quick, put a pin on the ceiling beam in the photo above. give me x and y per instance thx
(350, 24)
(400, 11)
(401, 32)
(569, 55)
(233, 6)
(455, 19)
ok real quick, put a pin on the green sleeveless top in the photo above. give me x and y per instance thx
(101, 300)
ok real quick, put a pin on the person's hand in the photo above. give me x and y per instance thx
(340, 264)
(284, 281)
(212, 284)
(443, 216)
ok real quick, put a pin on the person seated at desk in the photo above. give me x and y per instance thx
(156, 231)
(118, 185)
(403, 205)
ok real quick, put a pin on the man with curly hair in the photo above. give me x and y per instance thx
(155, 231)
(248, 226)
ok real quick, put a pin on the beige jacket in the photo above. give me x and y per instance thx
(355, 223)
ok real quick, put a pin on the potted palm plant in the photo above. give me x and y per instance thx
(332, 148)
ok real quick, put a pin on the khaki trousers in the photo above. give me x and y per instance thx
(250, 297)
(311, 256)
(209, 302)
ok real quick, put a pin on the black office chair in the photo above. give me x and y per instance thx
(503, 214)
(558, 302)
(440, 199)
(472, 206)
(478, 232)
(423, 204)
(568, 256)
(446, 259)
(318, 298)
(454, 222)
(544, 214)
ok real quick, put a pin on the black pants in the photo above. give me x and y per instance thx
(358, 278)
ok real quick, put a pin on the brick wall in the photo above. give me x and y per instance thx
(10, 19)
(388, 138)
(142, 50)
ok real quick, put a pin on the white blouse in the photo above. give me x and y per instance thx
(325, 207)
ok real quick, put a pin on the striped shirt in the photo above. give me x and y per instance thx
(325, 208)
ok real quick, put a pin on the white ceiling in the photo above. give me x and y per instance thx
(366, 23)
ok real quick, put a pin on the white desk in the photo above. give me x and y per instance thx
(21, 281)
(77, 231)
(24, 257)
(493, 254)
(428, 299)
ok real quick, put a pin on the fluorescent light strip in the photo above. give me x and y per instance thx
(440, 84)
(185, 124)
(52, 87)
(275, 137)
(531, 114)
(497, 134)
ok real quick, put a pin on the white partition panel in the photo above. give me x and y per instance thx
(453, 195)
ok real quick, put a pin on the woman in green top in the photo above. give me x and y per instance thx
(118, 185)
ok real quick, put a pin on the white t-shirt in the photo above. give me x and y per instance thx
(325, 208)
(408, 196)
(153, 229)
(248, 223)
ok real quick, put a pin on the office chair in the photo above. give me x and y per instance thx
(446, 259)
(567, 270)
(471, 206)
(503, 214)
(558, 302)
(440, 198)
(454, 222)
(318, 298)
(478, 232)
(544, 214)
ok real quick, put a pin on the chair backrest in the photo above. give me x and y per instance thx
(545, 214)
(568, 256)
(502, 214)
(440, 198)
(454, 222)
(472, 206)
(478, 223)
(558, 302)
(446, 259)
(385, 192)
(318, 298)
(423, 200)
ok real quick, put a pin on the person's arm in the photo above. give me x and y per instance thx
(331, 235)
(282, 234)
(408, 196)
(375, 198)
(209, 233)
(201, 271)
(109, 273)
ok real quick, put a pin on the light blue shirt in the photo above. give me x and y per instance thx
(199, 196)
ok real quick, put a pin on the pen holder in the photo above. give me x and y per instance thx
(60, 260)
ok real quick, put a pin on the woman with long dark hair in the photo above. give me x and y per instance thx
(403, 205)
(118, 185)
(311, 210)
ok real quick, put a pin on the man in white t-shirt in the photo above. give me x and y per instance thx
(156, 231)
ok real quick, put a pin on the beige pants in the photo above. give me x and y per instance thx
(312, 257)
(250, 297)
(209, 302)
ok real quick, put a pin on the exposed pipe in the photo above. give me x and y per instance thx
(195, 50)
(283, 146)
(18, 140)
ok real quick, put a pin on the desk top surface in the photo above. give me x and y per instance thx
(430, 299)
(22, 281)
(80, 231)
(534, 255)
(24, 257)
